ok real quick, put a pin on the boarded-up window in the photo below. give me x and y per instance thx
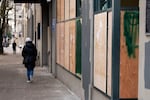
(66, 35)
(72, 31)
(66, 9)
(62, 10)
(100, 38)
(129, 54)
(62, 44)
(67, 45)
(58, 38)
(58, 10)
(72, 9)
(109, 53)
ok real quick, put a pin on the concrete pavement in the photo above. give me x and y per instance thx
(13, 85)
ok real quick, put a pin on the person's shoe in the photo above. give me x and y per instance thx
(28, 81)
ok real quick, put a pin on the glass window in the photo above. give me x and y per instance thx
(78, 8)
(100, 5)
(109, 3)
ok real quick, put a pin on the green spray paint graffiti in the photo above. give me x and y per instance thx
(131, 31)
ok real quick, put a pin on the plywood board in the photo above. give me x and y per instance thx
(62, 10)
(72, 9)
(59, 43)
(100, 38)
(109, 54)
(62, 44)
(66, 9)
(67, 45)
(128, 66)
(72, 31)
(58, 33)
(58, 10)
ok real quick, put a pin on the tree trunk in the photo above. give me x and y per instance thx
(3, 11)
(1, 41)
(1, 36)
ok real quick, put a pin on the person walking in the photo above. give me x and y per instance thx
(14, 47)
(29, 54)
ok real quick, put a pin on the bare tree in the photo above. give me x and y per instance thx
(4, 9)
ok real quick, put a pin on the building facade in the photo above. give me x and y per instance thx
(144, 51)
(97, 48)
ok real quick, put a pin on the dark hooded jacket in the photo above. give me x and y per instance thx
(29, 54)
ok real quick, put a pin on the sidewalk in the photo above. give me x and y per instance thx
(13, 84)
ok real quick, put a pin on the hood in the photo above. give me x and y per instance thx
(29, 44)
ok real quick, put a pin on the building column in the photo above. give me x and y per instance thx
(44, 41)
(53, 30)
(50, 38)
(87, 47)
(115, 49)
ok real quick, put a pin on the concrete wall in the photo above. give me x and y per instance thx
(97, 95)
(24, 21)
(38, 20)
(143, 93)
(75, 85)
(70, 81)
(38, 13)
